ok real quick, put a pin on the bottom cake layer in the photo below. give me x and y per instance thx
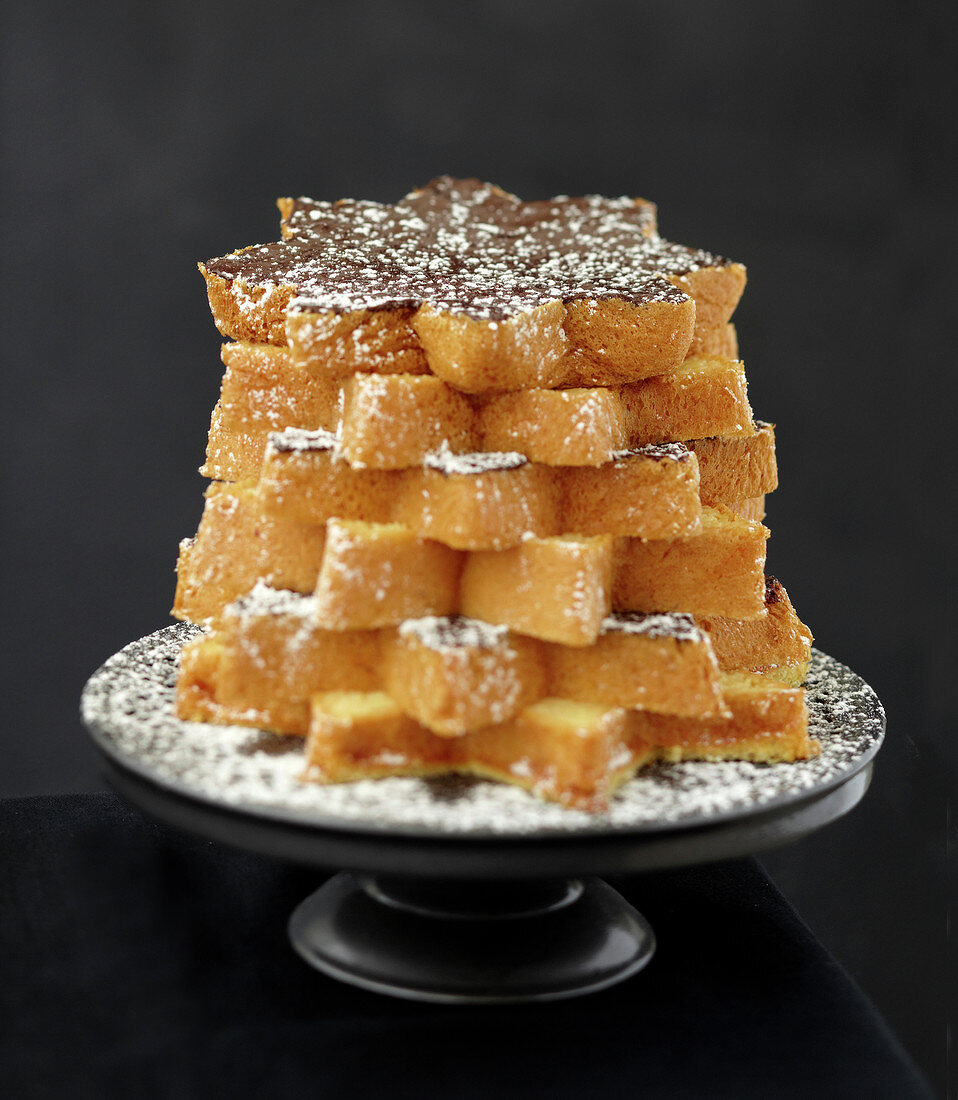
(574, 753)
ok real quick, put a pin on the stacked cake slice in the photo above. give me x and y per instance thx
(486, 496)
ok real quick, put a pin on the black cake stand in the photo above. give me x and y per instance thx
(463, 890)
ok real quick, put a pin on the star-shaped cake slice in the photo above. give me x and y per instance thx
(465, 281)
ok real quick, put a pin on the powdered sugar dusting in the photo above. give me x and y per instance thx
(675, 625)
(444, 632)
(128, 705)
(475, 462)
(265, 600)
(297, 440)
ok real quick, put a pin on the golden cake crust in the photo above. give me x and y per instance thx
(718, 570)
(777, 644)
(486, 500)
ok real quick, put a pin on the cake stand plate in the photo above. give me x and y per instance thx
(463, 890)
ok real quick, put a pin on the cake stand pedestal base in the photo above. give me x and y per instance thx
(471, 942)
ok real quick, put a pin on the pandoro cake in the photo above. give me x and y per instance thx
(485, 497)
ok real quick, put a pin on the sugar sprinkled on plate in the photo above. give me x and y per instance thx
(128, 704)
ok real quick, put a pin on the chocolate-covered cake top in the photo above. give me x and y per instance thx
(468, 248)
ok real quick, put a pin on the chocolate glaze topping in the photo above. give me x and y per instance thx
(129, 707)
(661, 451)
(467, 248)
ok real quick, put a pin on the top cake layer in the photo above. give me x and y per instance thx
(467, 248)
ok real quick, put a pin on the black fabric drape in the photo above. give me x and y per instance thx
(137, 961)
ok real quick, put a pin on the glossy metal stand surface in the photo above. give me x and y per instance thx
(490, 944)
(439, 903)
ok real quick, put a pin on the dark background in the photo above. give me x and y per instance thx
(809, 140)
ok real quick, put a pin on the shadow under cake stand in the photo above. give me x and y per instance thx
(462, 890)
